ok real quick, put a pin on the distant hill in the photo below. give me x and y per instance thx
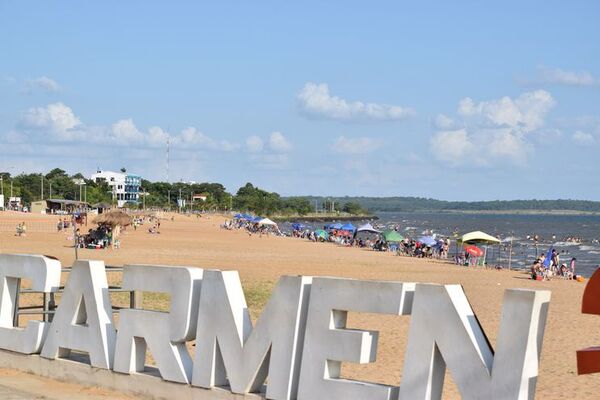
(423, 204)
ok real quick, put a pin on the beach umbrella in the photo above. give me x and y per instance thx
(427, 240)
(257, 219)
(348, 227)
(247, 217)
(367, 228)
(392, 236)
(320, 233)
(113, 218)
(238, 216)
(267, 221)
(474, 251)
(478, 237)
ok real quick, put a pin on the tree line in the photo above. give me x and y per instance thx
(412, 204)
(57, 184)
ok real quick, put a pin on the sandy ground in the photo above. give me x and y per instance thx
(261, 261)
(15, 385)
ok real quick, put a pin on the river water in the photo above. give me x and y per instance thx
(553, 231)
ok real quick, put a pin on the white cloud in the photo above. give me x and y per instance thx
(125, 130)
(278, 143)
(498, 131)
(452, 147)
(315, 99)
(443, 122)
(360, 145)
(43, 82)
(583, 138)
(507, 145)
(570, 78)
(157, 137)
(193, 137)
(56, 118)
(526, 112)
(254, 144)
(58, 122)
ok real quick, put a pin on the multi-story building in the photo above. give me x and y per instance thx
(125, 186)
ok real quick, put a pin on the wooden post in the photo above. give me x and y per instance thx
(510, 253)
(16, 305)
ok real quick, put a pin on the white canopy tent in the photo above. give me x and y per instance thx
(367, 228)
(267, 221)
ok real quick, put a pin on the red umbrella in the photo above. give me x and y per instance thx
(474, 251)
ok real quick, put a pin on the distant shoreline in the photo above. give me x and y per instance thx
(503, 212)
(325, 217)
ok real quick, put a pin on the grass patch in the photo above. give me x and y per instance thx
(257, 295)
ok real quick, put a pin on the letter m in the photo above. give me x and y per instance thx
(230, 351)
(444, 331)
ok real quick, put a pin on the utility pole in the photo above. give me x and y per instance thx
(169, 199)
(50, 193)
(42, 189)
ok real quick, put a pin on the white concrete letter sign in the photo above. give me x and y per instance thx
(44, 273)
(83, 321)
(164, 333)
(327, 343)
(444, 331)
(229, 350)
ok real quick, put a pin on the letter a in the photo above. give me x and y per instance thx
(83, 320)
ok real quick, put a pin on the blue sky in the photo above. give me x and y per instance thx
(452, 100)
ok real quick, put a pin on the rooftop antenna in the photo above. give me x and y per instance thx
(168, 155)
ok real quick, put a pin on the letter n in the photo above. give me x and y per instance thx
(444, 331)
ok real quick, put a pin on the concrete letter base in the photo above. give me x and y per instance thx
(148, 386)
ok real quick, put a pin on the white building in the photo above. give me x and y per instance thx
(125, 187)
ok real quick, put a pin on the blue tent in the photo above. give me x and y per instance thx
(238, 216)
(428, 240)
(247, 217)
(348, 227)
(337, 225)
(298, 226)
(256, 219)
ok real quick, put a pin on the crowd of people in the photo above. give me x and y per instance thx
(99, 238)
(347, 237)
(251, 227)
(549, 265)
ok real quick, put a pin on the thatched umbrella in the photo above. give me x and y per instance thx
(113, 219)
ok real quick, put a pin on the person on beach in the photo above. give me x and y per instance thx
(572, 266)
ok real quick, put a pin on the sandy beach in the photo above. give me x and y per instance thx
(199, 242)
